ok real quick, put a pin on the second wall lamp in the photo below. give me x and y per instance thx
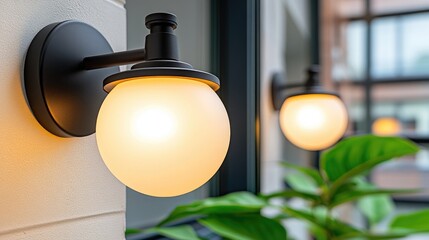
(312, 118)
(161, 129)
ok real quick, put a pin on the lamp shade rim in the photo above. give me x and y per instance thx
(211, 80)
(314, 91)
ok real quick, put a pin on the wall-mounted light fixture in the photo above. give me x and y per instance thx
(161, 130)
(312, 119)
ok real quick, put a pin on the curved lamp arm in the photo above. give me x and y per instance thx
(160, 44)
(312, 85)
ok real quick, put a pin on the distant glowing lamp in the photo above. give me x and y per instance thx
(386, 126)
(312, 119)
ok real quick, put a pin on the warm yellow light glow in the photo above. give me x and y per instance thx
(313, 121)
(153, 124)
(386, 126)
(163, 136)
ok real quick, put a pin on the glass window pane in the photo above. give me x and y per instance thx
(384, 48)
(415, 44)
(400, 47)
(355, 49)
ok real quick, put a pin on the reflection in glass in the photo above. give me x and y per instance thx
(407, 102)
(412, 115)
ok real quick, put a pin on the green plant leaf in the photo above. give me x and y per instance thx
(328, 194)
(238, 202)
(317, 232)
(299, 182)
(280, 216)
(130, 231)
(245, 227)
(376, 208)
(355, 194)
(372, 236)
(416, 222)
(289, 193)
(332, 225)
(184, 232)
(303, 215)
(310, 172)
(356, 155)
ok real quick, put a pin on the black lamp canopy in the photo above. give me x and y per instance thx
(312, 85)
(70, 67)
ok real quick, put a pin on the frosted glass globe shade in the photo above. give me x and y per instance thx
(313, 121)
(386, 126)
(163, 136)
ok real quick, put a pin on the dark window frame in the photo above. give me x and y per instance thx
(236, 62)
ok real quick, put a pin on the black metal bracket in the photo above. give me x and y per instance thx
(312, 85)
(161, 44)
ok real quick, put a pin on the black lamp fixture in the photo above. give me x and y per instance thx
(161, 128)
(311, 118)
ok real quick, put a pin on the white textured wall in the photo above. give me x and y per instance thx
(51, 187)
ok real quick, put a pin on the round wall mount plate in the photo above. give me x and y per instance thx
(63, 96)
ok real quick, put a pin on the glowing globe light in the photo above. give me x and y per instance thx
(386, 126)
(313, 121)
(163, 136)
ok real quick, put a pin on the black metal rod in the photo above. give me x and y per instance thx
(161, 44)
(114, 59)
